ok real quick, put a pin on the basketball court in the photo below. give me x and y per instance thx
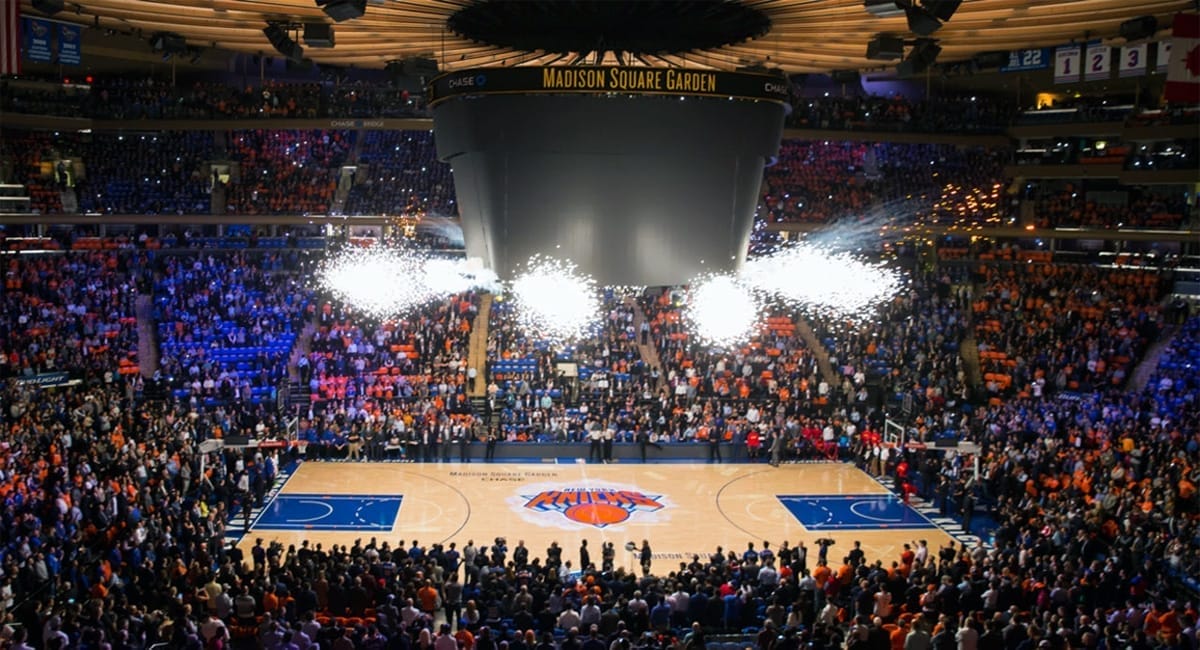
(683, 509)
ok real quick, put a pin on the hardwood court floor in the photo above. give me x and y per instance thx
(683, 509)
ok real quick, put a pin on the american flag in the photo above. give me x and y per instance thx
(10, 37)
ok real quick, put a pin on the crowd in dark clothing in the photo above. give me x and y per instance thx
(399, 174)
(227, 323)
(124, 99)
(286, 172)
(170, 175)
(898, 113)
(1069, 206)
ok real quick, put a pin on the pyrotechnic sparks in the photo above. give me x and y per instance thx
(822, 280)
(387, 281)
(555, 300)
(722, 310)
(447, 276)
(380, 281)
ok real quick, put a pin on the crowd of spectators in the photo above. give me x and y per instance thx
(114, 534)
(399, 174)
(110, 516)
(1047, 328)
(126, 99)
(910, 348)
(32, 156)
(766, 399)
(828, 181)
(898, 113)
(533, 399)
(1142, 207)
(286, 172)
(170, 175)
(227, 323)
(1178, 154)
(398, 387)
(69, 313)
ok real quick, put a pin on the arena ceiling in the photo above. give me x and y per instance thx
(799, 36)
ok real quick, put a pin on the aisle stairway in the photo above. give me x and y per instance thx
(648, 352)
(301, 348)
(1143, 371)
(147, 335)
(822, 355)
(477, 347)
(969, 349)
(348, 176)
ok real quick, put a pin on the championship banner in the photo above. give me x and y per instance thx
(1099, 62)
(593, 80)
(1026, 60)
(69, 37)
(1066, 64)
(10, 37)
(38, 33)
(1183, 73)
(1133, 60)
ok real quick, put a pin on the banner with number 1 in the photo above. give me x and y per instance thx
(1067, 62)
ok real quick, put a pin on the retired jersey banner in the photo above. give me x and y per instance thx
(1132, 61)
(1098, 62)
(1183, 72)
(1163, 58)
(69, 37)
(10, 37)
(1067, 64)
(37, 40)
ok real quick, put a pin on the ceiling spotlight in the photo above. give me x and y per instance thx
(923, 54)
(943, 10)
(282, 42)
(318, 34)
(342, 10)
(885, 48)
(883, 8)
(48, 7)
(168, 42)
(921, 22)
(1136, 29)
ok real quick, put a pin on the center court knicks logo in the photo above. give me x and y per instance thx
(592, 506)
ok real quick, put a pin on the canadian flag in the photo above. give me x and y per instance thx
(1183, 73)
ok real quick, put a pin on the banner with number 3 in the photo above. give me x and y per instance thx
(1133, 61)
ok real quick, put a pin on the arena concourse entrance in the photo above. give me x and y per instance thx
(683, 509)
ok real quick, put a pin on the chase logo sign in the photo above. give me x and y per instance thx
(468, 81)
(593, 506)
